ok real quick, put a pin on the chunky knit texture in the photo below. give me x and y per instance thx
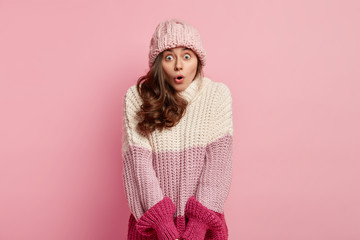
(176, 181)
(159, 220)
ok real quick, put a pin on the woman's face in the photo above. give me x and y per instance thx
(179, 61)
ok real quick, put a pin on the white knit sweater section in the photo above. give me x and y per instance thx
(193, 158)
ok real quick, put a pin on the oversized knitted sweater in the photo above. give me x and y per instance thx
(176, 181)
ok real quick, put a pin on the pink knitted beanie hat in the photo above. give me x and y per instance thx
(173, 33)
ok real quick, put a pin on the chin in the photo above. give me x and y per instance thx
(182, 88)
(177, 88)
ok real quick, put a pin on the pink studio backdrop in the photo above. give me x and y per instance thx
(293, 70)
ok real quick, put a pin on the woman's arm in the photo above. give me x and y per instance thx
(152, 210)
(205, 209)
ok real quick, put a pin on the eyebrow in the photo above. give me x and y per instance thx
(170, 50)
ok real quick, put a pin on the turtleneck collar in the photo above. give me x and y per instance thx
(191, 92)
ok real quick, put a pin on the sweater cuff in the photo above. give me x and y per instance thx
(195, 230)
(159, 219)
(200, 219)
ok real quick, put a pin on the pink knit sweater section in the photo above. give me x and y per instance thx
(177, 181)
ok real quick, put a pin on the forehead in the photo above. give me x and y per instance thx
(181, 48)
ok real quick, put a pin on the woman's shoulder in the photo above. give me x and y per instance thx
(131, 92)
(132, 97)
(219, 90)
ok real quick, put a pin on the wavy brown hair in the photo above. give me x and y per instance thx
(162, 106)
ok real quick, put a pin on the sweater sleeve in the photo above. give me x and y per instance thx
(205, 209)
(152, 210)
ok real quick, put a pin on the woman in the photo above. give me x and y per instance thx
(177, 142)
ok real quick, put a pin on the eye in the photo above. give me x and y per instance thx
(167, 57)
(188, 55)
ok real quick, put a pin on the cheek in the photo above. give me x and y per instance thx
(194, 65)
(194, 61)
(165, 67)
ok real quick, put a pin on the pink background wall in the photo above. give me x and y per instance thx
(293, 69)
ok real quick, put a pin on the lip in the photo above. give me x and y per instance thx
(179, 76)
(179, 81)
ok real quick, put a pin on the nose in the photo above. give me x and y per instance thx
(178, 65)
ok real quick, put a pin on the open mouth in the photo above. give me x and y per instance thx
(179, 77)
